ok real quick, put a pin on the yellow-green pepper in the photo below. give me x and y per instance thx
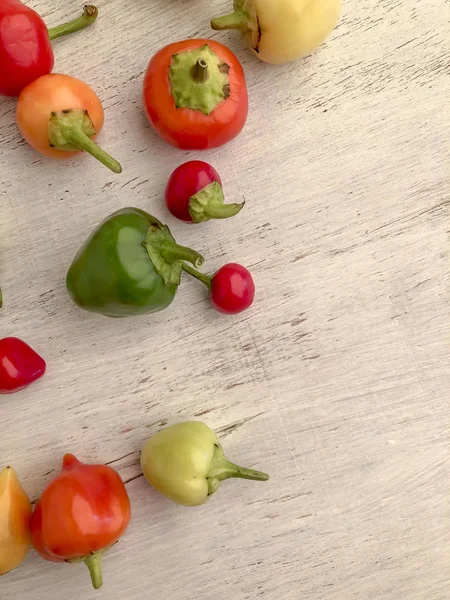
(186, 463)
(279, 31)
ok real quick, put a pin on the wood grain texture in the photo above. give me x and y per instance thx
(336, 382)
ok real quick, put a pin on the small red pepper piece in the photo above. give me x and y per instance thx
(20, 365)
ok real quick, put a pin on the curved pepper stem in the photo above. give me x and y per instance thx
(222, 469)
(209, 203)
(71, 130)
(94, 564)
(172, 252)
(90, 14)
(243, 18)
(166, 255)
(205, 279)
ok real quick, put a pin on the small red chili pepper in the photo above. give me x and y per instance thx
(194, 194)
(25, 49)
(231, 288)
(20, 365)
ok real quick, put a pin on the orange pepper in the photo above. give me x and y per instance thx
(15, 514)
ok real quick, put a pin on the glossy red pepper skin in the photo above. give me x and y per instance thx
(20, 365)
(232, 289)
(25, 49)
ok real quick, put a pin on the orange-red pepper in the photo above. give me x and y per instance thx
(80, 514)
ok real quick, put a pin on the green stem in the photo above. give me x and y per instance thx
(94, 564)
(236, 20)
(72, 129)
(1, 298)
(172, 252)
(209, 203)
(222, 211)
(200, 72)
(205, 279)
(89, 15)
(222, 469)
(229, 469)
(79, 139)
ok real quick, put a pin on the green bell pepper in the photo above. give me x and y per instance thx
(130, 265)
(186, 463)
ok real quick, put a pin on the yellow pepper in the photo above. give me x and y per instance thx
(185, 462)
(279, 31)
(15, 514)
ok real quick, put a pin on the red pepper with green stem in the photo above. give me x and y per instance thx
(231, 288)
(25, 49)
(194, 194)
(195, 94)
(81, 513)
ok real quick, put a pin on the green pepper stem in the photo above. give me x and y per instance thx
(1, 298)
(222, 211)
(172, 252)
(90, 14)
(94, 564)
(72, 129)
(229, 469)
(236, 20)
(200, 72)
(222, 469)
(79, 139)
(205, 279)
(209, 203)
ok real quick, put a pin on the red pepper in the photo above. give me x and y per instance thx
(195, 94)
(25, 49)
(231, 288)
(194, 194)
(20, 365)
(81, 513)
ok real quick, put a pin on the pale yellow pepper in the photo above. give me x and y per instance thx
(185, 462)
(15, 514)
(279, 31)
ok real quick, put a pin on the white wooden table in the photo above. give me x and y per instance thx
(336, 382)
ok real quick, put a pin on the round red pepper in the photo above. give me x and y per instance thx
(25, 49)
(231, 288)
(195, 94)
(80, 514)
(194, 194)
(20, 365)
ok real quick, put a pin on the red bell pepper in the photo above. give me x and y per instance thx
(20, 365)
